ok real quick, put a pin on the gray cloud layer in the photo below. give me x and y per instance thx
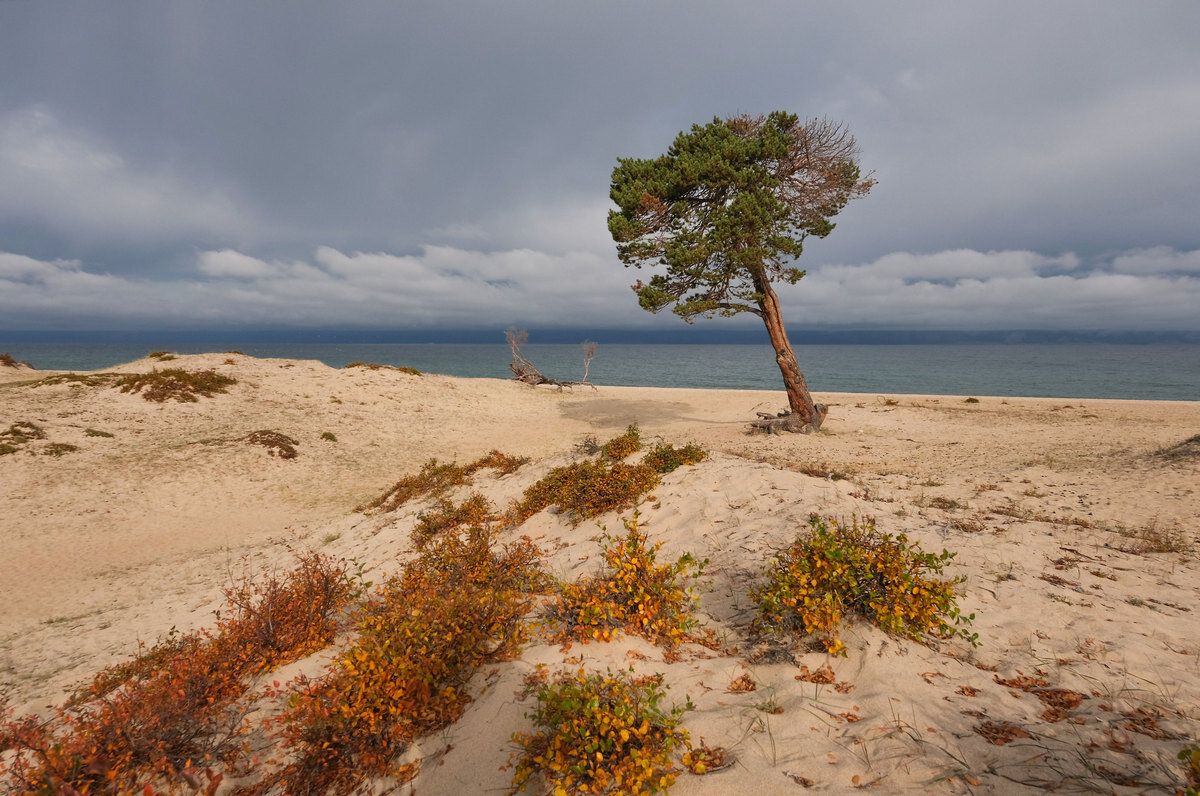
(447, 164)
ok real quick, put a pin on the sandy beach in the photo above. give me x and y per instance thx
(1074, 525)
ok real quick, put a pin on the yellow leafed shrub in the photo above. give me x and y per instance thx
(633, 593)
(601, 733)
(855, 569)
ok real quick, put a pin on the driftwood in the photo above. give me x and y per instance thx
(786, 421)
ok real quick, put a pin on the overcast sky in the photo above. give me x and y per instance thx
(446, 164)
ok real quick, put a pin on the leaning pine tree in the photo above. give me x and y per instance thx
(726, 211)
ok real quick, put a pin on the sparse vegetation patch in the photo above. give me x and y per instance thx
(376, 366)
(176, 384)
(7, 361)
(1186, 450)
(18, 434)
(277, 444)
(435, 479)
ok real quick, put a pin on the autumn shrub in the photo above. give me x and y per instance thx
(633, 593)
(175, 383)
(1190, 757)
(475, 510)
(459, 604)
(665, 458)
(618, 448)
(436, 478)
(601, 733)
(148, 722)
(855, 569)
(586, 489)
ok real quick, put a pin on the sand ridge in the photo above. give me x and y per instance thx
(132, 534)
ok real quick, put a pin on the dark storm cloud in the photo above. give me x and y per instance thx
(448, 163)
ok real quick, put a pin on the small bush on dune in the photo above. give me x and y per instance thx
(175, 384)
(665, 458)
(618, 448)
(475, 510)
(855, 569)
(601, 733)
(458, 605)
(633, 593)
(593, 486)
(275, 443)
(586, 489)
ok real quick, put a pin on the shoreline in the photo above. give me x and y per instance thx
(132, 534)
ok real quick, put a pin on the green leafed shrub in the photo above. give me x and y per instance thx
(854, 569)
(666, 458)
(601, 733)
(586, 489)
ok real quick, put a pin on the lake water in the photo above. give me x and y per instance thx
(1050, 370)
(1091, 370)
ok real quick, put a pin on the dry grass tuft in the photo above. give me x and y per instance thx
(1187, 450)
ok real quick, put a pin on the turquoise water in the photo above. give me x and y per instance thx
(1091, 370)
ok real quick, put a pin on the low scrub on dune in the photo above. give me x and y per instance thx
(458, 605)
(436, 478)
(600, 733)
(839, 570)
(1188, 449)
(633, 593)
(7, 361)
(591, 487)
(160, 719)
(175, 384)
(376, 366)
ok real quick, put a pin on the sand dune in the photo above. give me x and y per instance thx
(1059, 512)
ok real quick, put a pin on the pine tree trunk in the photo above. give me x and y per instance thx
(805, 416)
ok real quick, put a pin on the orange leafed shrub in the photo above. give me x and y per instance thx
(151, 720)
(618, 448)
(456, 606)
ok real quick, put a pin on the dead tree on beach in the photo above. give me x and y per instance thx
(524, 370)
